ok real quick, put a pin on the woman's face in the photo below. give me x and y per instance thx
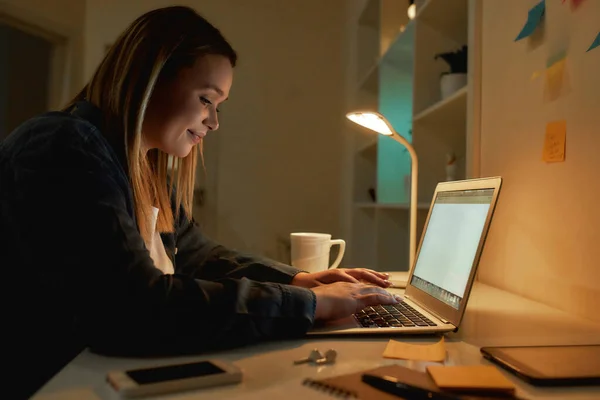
(184, 109)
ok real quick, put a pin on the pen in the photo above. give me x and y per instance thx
(393, 386)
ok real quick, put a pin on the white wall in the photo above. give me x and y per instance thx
(545, 239)
(280, 146)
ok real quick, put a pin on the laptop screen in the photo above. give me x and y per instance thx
(450, 244)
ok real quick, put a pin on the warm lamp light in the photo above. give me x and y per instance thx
(376, 122)
(412, 9)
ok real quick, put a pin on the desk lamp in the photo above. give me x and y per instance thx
(376, 122)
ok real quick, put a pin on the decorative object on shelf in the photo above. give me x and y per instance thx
(412, 9)
(378, 123)
(535, 16)
(451, 167)
(372, 194)
(454, 80)
(595, 43)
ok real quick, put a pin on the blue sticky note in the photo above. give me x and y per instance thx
(596, 43)
(534, 17)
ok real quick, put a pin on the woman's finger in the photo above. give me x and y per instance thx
(375, 299)
(345, 277)
(366, 275)
(370, 289)
(337, 275)
(382, 275)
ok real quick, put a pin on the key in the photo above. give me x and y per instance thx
(329, 358)
(314, 355)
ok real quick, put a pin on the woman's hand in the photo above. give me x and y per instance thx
(342, 299)
(352, 275)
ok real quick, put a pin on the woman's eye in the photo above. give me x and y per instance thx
(207, 102)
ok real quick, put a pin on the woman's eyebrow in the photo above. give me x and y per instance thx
(215, 88)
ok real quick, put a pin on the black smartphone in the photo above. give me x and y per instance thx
(565, 365)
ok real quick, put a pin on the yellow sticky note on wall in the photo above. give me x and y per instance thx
(555, 143)
(557, 83)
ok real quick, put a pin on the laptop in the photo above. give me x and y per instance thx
(444, 269)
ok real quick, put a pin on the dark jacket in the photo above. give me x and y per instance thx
(79, 271)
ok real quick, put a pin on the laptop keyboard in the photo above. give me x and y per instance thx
(394, 316)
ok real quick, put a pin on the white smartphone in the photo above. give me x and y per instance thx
(174, 377)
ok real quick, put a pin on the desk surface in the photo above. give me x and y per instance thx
(493, 317)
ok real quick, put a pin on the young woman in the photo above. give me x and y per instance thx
(97, 243)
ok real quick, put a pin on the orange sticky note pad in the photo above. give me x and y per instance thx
(416, 351)
(476, 378)
(555, 142)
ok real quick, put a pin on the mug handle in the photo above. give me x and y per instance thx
(342, 245)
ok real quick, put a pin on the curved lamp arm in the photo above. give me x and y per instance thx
(376, 122)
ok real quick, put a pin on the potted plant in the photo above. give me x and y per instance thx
(456, 78)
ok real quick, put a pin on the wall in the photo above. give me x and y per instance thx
(544, 242)
(60, 21)
(27, 74)
(3, 79)
(280, 145)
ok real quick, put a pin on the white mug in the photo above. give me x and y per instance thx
(310, 251)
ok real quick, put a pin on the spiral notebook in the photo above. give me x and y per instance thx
(297, 389)
(351, 385)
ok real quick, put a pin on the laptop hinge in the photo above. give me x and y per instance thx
(444, 320)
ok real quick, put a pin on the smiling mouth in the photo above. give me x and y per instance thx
(196, 134)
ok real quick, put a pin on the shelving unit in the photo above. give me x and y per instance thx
(446, 111)
(397, 74)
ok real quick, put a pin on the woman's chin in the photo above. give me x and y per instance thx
(181, 153)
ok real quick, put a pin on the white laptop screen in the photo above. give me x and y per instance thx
(450, 244)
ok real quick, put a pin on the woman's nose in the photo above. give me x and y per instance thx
(212, 121)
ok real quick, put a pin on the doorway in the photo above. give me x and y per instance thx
(27, 63)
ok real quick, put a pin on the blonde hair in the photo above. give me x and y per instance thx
(155, 47)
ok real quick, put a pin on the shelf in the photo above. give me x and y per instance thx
(370, 81)
(393, 239)
(369, 145)
(401, 50)
(362, 250)
(402, 206)
(449, 111)
(365, 161)
(399, 55)
(370, 14)
(449, 17)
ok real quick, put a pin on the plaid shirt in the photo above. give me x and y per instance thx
(80, 271)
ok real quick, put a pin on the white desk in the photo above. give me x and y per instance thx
(493, 317)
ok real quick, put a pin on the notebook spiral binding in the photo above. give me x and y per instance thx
(331, 390)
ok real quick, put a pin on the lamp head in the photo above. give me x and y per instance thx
(412, 9)
(371, 120)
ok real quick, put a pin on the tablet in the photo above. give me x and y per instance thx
(550, 365)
